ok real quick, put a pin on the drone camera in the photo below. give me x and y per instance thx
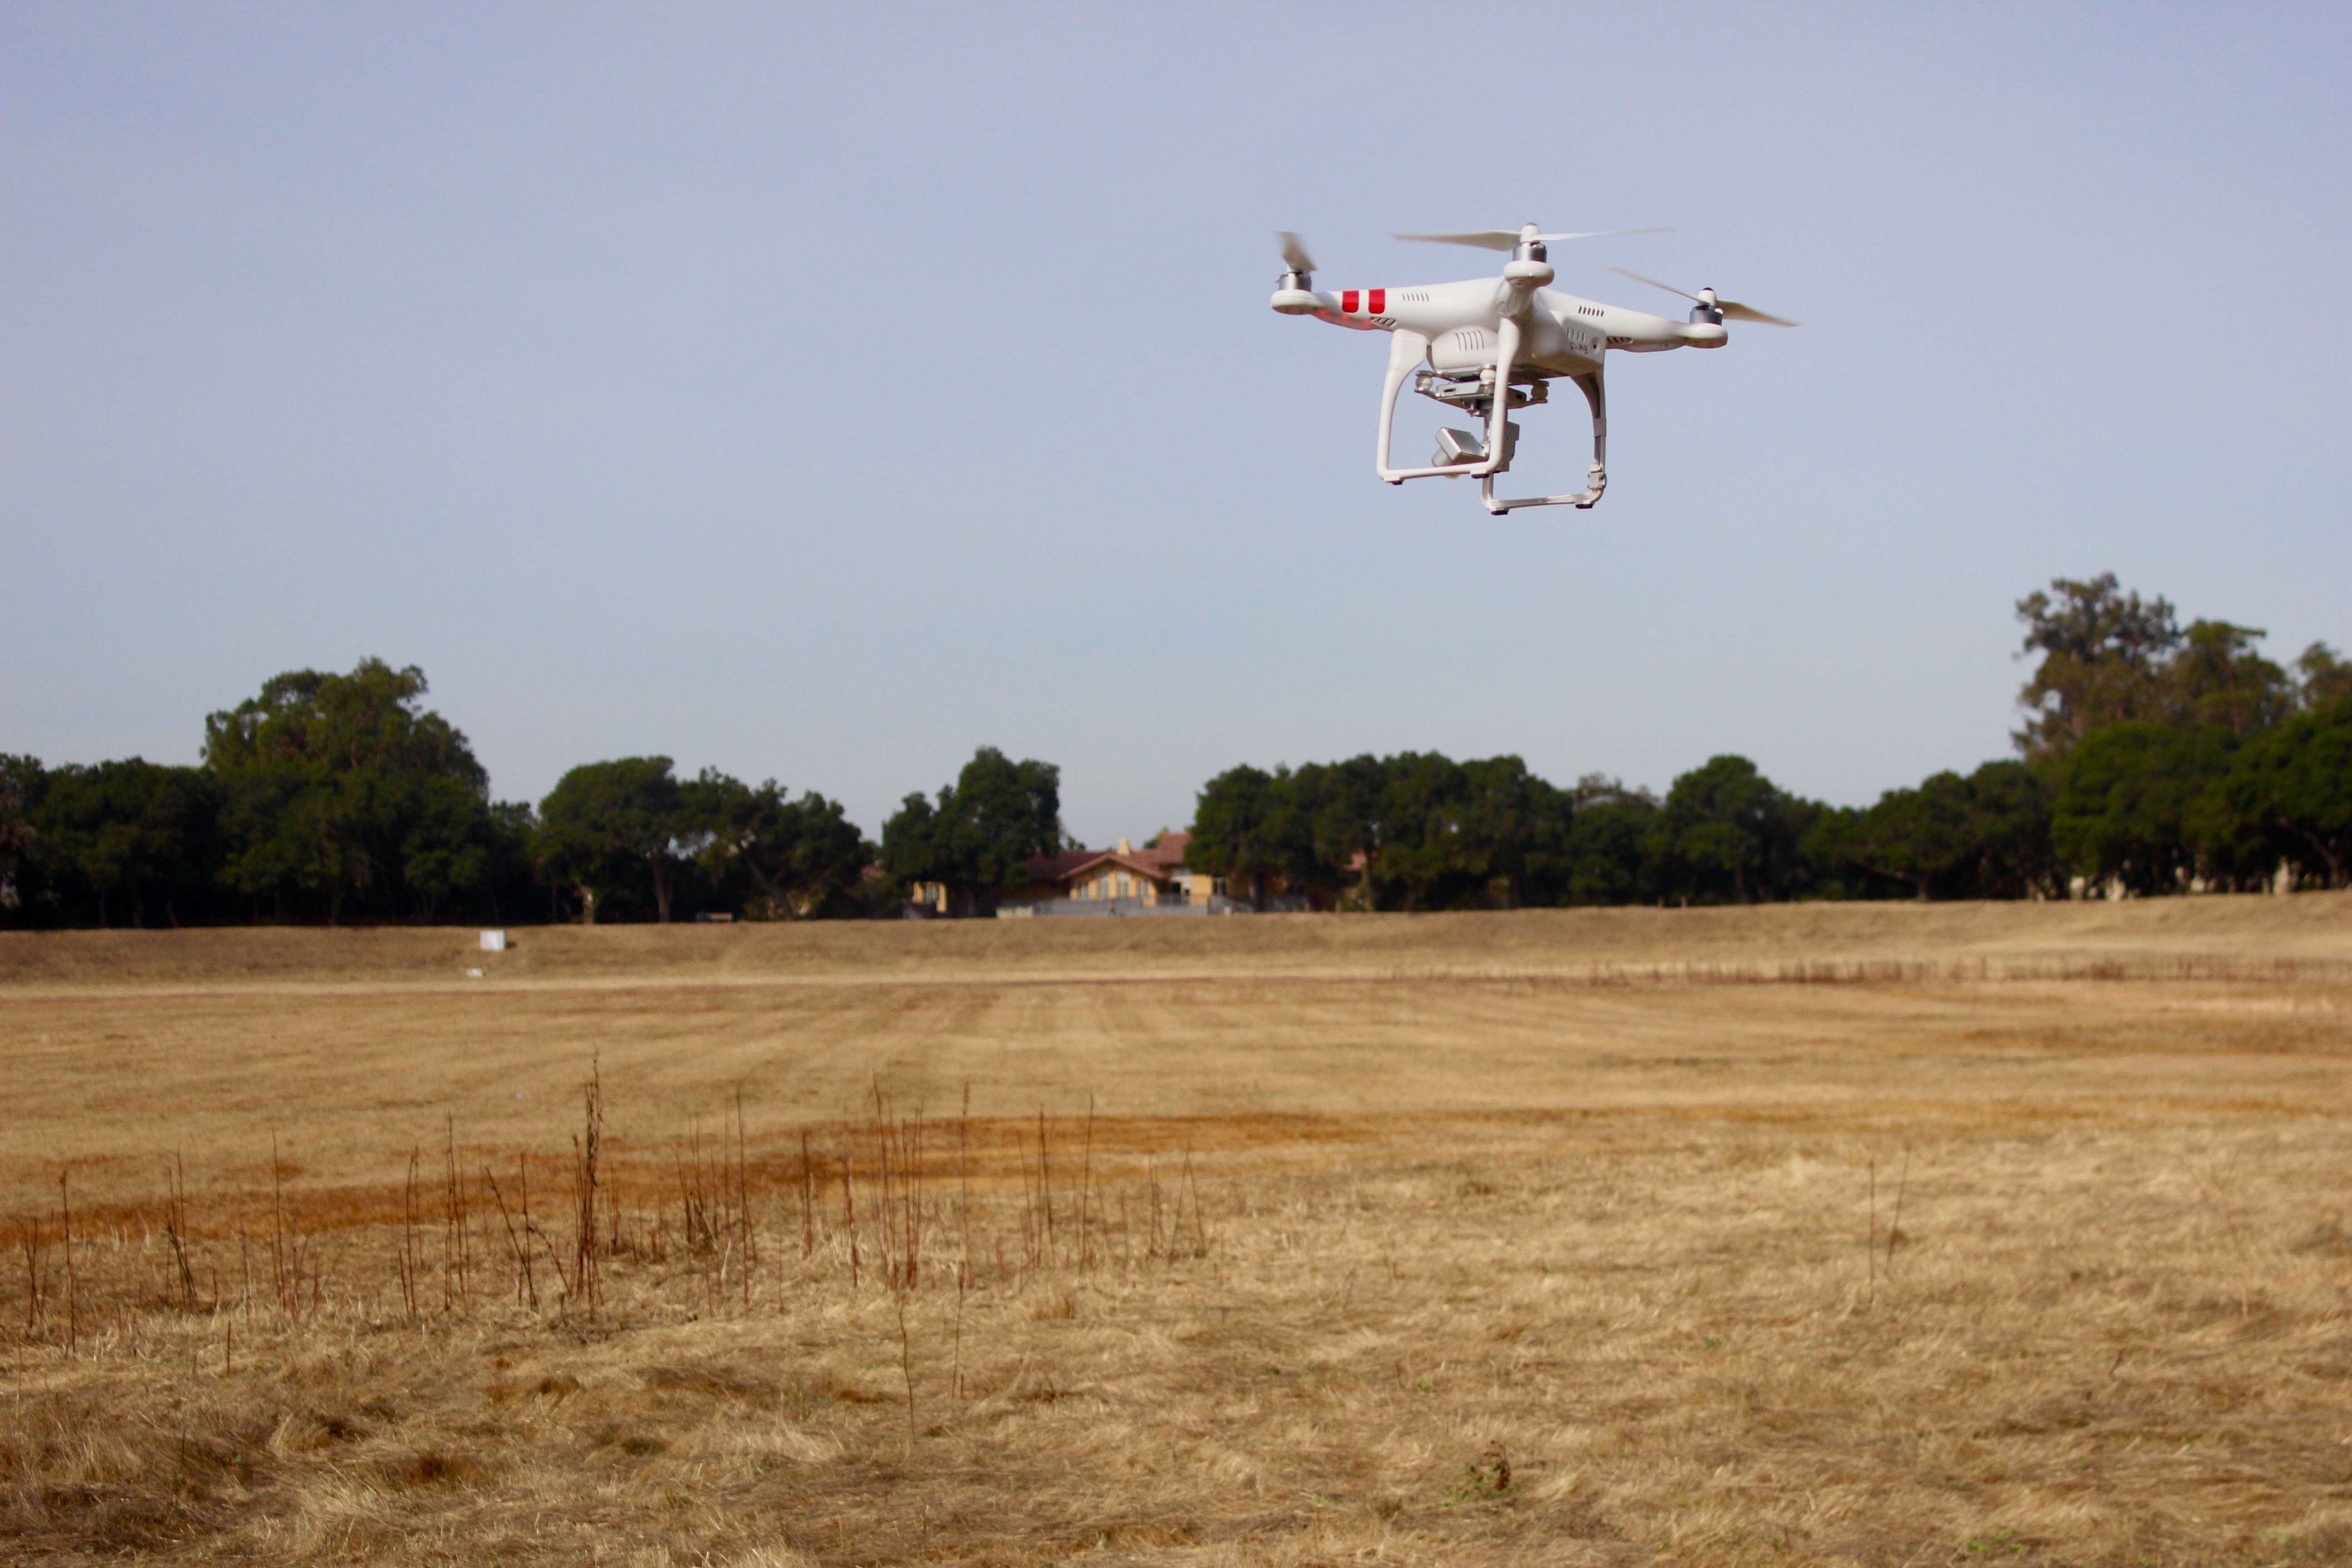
(1460, 448)
(1457, 447)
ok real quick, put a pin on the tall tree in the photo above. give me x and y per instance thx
(1986, 835)
(2323, 678)
(1414, 831)
(338, 786)
(1237, 822)
(802, 858)
(21, 784)
(2010, 853)
(2216, 678)
(1420, 840)
(1333, 830)
(1725, 831)
(979, 838)
(1607, 850)
(615, 831)
(2126, 799)
(1912, 836)
(459, 851)
(2286, 797)
(1516, 826)
(2103, 655)
(134, 838)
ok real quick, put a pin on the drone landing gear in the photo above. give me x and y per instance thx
(1464, 454)
(1596, 478)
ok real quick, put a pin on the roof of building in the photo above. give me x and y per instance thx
(1156, 861)
(1056, 866)
(1168, 849)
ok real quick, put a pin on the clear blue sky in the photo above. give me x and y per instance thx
(823, 392)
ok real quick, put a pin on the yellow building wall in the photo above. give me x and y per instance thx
(1102, 883)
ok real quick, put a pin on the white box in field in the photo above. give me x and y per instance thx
(494, 942)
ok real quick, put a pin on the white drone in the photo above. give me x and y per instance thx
(1470, 340)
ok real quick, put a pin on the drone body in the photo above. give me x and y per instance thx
(1461, 343)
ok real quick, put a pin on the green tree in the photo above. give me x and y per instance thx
(1238, 819)
(21, 781)
(1332, 831)
(2324, 678)
(341, 788)
(129, 836)
(1726, 832)
(1419, 840)
(915, 846)
(1915, 837)
(979, 838)
(2010, 853)
(2216, 678)
(616, 832)
(459, 851)
(1516, 826)
(2103, 658)
(1415, 831)
(2126, 799)
(1986, 835)
(2286, 797)
(1607, 844)
(802, 858)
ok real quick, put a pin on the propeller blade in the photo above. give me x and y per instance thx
(1605, 233)
(1508, 239)
(1730, 307)
(1293, 252)
(1485, 238)
(1740, 312)
(1653, 283)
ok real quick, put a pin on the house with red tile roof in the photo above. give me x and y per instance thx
(1154, 875)
(1150, 879)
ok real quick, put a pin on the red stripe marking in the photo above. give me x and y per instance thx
(1380, 302)
(1348, 303)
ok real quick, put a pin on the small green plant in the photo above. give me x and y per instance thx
(1484, 1479)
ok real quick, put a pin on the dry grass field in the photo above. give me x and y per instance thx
(1901, 1235)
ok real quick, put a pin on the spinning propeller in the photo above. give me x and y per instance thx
(1512, 238)
(1717, 310)
(1295, 295)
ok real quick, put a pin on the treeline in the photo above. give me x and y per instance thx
(338, 798)
(1421, 831)
(2153, 759)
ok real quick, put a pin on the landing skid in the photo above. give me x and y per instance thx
(1407, 351)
